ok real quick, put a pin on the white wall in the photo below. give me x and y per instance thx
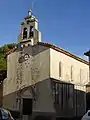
(67, 62)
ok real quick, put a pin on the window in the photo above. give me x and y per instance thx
(71, 92)
(62, 94)
(29, 43)
(80, 74)
(55, 92)
(31, 31)
(71, 73)
(60, 69)
(23, 45)
(24, 33)
(28, 21)
(87, 76)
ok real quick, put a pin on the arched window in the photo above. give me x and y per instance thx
(31, 31)
(24, 33)
(28, 21)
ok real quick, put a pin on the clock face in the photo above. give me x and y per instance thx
(26, 56)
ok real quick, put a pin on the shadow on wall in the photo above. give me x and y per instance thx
(15, 114)
(68, 101)
(73, 118)
(1, 95)
(80, 103)
(40, 117)
(88, 100)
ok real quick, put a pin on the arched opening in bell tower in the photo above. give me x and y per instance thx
(24, 33)
(31, 31)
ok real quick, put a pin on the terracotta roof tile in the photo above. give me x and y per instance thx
(11, 51)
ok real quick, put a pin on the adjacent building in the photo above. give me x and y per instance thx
(43, 79)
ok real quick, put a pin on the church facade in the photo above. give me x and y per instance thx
(43, 79)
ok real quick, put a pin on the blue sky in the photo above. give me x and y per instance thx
(65, 23)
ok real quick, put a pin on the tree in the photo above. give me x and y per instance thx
(3, 61)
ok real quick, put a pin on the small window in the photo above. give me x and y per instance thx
(71, 72)
(55, 92)
(80, 74)
(28, 21)
(23, 45)
(28, 44)
(60, 69)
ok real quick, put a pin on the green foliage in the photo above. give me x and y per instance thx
(4, 49)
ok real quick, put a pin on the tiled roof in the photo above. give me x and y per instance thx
(64, 52)
(57, 49)
(11, 51)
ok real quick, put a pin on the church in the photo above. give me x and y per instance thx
(43, 79)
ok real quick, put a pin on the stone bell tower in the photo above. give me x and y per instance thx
(30, 34)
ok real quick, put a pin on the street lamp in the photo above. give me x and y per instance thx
(88, 54)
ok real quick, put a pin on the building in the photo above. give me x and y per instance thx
(43, 79)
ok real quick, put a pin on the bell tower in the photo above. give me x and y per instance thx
(30, 34)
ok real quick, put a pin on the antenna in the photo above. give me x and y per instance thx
(33, 3)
